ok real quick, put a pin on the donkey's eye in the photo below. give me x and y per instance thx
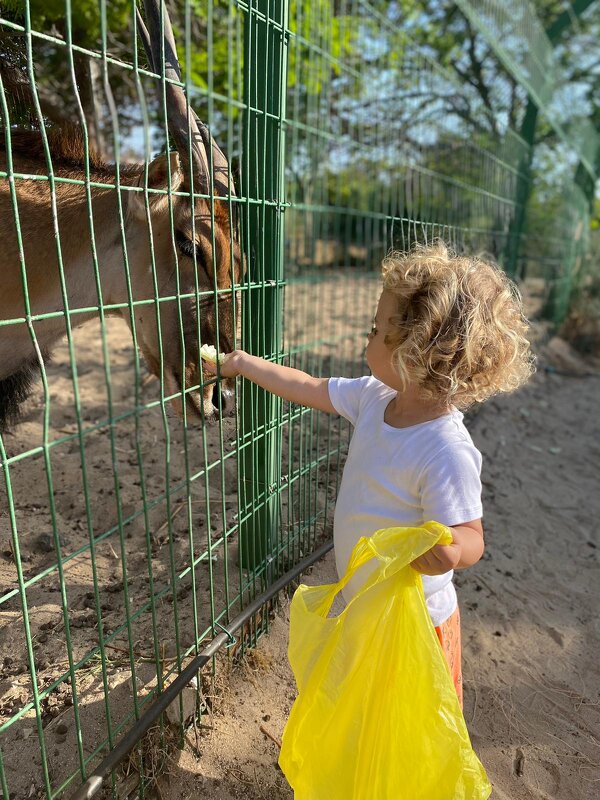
(186, 247)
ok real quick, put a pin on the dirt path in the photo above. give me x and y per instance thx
(531, 634)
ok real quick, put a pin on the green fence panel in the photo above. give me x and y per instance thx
(520, 42)
(518, 38)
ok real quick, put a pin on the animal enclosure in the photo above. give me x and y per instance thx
(244, 197)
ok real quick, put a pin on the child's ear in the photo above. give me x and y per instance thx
(158, 179)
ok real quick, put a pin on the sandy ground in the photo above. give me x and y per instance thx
(531, 634)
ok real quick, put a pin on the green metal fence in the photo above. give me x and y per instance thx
(557, 183)
(129, 535)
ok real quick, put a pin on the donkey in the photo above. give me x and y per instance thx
(203, 252)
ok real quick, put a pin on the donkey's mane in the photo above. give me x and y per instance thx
(67, 149)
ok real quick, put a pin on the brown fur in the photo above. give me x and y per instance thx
(15, 389)
(67, 150)
(18, 366)
(66, 147)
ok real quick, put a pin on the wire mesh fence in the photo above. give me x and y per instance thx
(526, 49)
(143, 504)
(555, 182)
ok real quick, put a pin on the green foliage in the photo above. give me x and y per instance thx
(595, 221)
(49, 15)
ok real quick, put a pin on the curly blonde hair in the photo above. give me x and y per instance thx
(459, 331)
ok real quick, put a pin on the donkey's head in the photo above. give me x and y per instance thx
(191, 246)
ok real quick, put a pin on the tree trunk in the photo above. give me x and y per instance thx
(89, 87)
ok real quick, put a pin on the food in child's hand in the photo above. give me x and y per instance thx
(209, 353)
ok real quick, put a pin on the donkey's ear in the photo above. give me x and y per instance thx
(159, 171)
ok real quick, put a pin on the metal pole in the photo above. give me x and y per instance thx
(265, 92)
(524, 178)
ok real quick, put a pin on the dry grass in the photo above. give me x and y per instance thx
(155, 757)
(150, 761)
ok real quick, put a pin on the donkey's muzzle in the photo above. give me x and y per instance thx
(223, 399)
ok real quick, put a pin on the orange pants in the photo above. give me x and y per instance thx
(449, 635)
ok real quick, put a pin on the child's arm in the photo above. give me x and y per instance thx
(291, 384)
(466, 550)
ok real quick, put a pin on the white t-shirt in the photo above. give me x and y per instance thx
(401, 477)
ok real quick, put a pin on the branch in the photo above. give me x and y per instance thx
(480, 83)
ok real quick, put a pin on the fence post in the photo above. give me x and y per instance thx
(524, 182)
(265, 86)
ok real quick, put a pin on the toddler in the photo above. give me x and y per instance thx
(449, 331)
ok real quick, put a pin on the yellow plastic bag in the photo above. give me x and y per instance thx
(377, 716)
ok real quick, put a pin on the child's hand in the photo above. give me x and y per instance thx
(441, 558)
(228, 367)
(466, 549)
